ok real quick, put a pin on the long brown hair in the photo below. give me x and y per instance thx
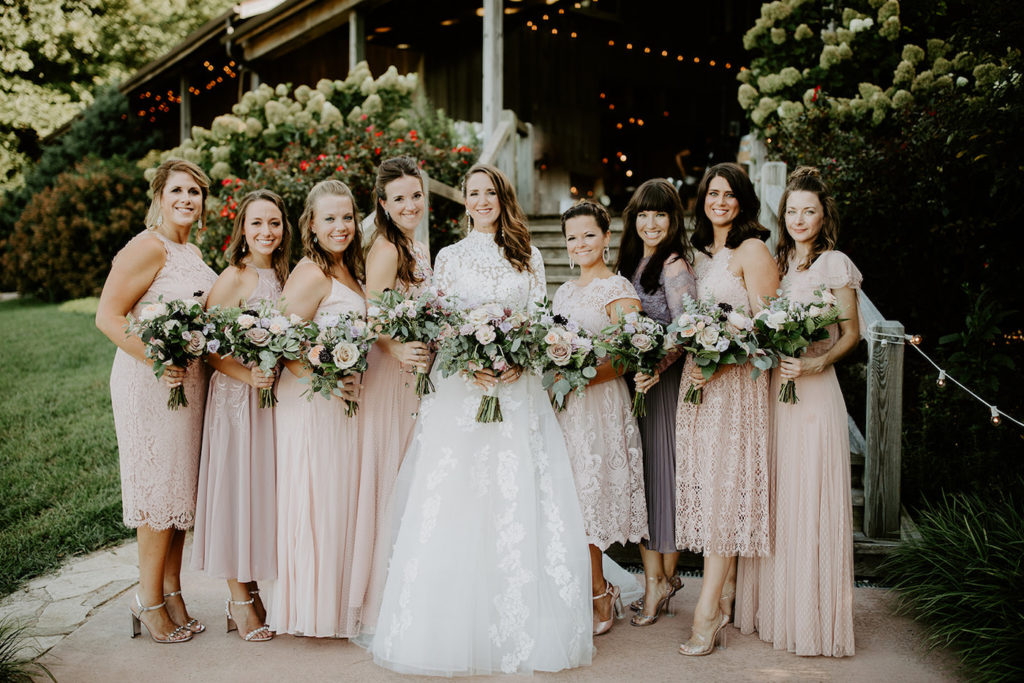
(236, 247)
(513, 236)
(352, 257)
(746, 224)
(656, 194)
(807, 179)
(384, 226)
(163, 172)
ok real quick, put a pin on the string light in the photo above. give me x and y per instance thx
(915, 343)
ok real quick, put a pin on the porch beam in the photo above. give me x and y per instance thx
(493, 66)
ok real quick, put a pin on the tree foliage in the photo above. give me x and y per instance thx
(53, 53)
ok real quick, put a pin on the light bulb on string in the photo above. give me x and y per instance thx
(914, 339)
(996, 419)
(941, 381)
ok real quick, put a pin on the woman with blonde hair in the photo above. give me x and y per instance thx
(324, 518)
(159, 448)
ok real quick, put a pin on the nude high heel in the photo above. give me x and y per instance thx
(665, 603)
(602, 627)
(257, 635)
(703, 642)
(178, 635)
(193, 625)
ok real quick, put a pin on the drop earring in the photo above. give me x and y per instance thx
(243, 247)
(314, 239)
(159, 220)
(605, 254)
(571, 264)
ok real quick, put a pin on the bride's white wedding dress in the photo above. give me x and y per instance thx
(489, 570)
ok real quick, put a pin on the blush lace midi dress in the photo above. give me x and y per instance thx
(158, 447)
(600, 431)
(722, 443)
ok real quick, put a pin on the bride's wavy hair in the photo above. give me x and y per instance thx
(352, 257)
(513, 235)
(384, 226)
(237, 245)
(807, 179)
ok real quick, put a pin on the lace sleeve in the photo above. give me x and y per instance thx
(678, 280)
(538, 281)
(838, 271)
(619, 288)
(443, 279)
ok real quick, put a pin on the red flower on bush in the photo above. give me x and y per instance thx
(303, 165)
(227, 241)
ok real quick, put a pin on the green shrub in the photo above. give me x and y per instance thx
(104, 129)
(964, 578)
(287, 140)
(63, 242)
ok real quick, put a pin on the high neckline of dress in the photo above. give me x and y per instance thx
(482, 236)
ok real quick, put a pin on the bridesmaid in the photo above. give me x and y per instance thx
(234, 537)
(722, 443)
(801, 598)
(600, 431)
(654, 256)
(397, 261)
(324, 526)
(159, 448)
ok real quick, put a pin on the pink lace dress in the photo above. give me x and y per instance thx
(722, 444)
(325, 521)
(159, 448)
(600, 431)
(235, 535)
(801, 598)
(387, 415)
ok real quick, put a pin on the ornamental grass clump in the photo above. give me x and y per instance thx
(964, 579)
(15, 666)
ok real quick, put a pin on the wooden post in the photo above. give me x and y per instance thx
(423, 229)
(493, 66)
(184, 110)
(356, 39)
(884, 430)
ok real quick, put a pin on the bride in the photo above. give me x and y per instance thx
(489, 570)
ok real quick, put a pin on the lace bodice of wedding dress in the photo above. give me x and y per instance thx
(476, 272)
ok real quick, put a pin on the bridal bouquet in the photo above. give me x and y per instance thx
(174, 332)
(563, 354)
(337, 348)
(407, 319)
(259, 336)
(486, 338)
(786, 328)
(636, 344)
(716, 335)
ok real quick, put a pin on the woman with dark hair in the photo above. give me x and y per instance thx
(600, 430)
(397, 261)
(722, 442)
(489, 509)
(654, 255)
(325, 521)
(159, 448)
(235, 536)
(801, 597)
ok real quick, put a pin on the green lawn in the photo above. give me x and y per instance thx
(59, 485)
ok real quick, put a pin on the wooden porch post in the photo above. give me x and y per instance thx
(493, 66)
(356, 38)
(884, 430)
(184, 110)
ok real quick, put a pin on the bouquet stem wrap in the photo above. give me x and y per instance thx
(490, 406)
